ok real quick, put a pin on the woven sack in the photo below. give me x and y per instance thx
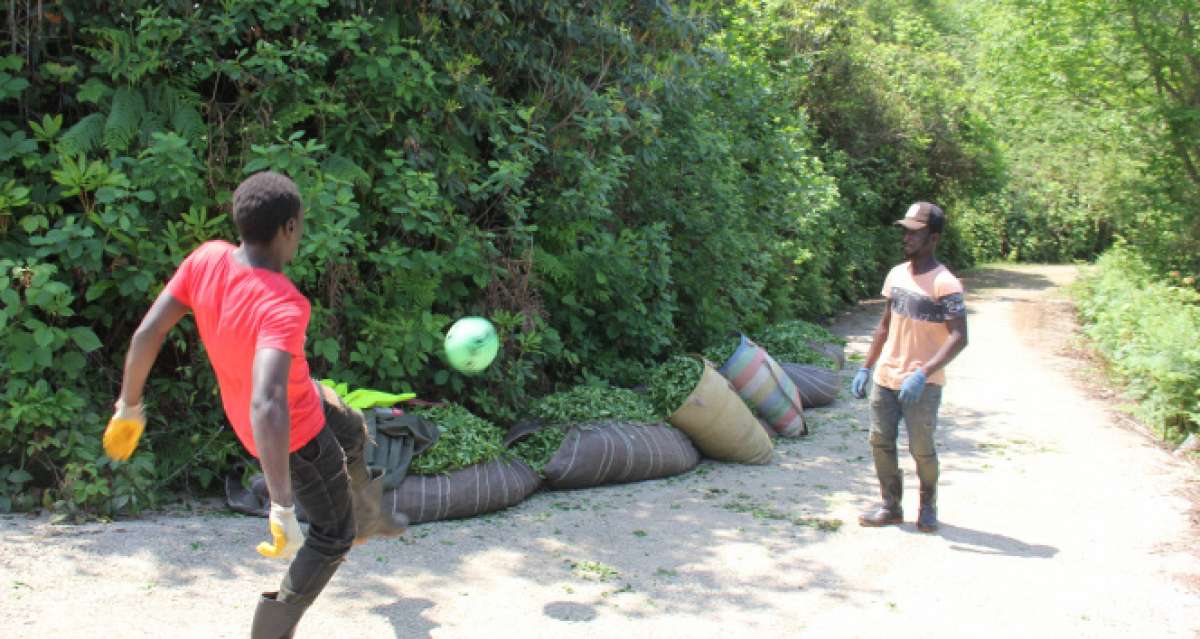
(467, 492)
(762, 382)
(818, 386)
(720, 424)
(598, 453)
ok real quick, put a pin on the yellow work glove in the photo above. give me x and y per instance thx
(124, 429)
(286, 537)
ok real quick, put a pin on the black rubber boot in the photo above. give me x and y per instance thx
(882, 515)
(889, 512)
(370, 518)
(274, 619)
(927, 517)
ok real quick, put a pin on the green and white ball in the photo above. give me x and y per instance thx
(471, 344)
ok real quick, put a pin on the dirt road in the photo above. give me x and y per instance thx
(1058, 521)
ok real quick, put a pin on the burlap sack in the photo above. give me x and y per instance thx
(720, 424)
(474, 490)
(598, 453)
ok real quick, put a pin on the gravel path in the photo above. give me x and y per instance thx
(1059, 520)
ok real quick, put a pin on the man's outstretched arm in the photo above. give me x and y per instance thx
(147, 340)
(128, 420)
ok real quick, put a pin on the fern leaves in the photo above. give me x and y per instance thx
(84, 136)
(134, 115)
(124, 120)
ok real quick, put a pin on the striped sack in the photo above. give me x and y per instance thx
(598, 453)
(762, 383)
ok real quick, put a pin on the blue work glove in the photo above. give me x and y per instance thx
(913, 386)
(862, 380)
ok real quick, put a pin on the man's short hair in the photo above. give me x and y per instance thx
(262, 204)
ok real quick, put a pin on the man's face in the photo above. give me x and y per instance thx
(916, 243)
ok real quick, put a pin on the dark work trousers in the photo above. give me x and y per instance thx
(920, 418)
(321, 485)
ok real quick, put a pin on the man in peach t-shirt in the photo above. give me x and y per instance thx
(924, 326)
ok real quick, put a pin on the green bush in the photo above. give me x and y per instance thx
(1149, 331)
(659, 186)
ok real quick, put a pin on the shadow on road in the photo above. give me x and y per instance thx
(1001, 277)
(402, 614)
(985, 543)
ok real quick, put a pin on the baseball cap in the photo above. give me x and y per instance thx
(923, 214)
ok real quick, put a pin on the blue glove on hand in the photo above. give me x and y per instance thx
(862, 379)
(913, 386)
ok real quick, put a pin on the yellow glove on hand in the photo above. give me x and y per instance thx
(286, 537)
(124, 430)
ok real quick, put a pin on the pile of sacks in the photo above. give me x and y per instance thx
(731, 415)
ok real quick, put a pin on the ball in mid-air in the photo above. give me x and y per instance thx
(471, 344)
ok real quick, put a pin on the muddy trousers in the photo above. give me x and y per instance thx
(920, 419)
(321, 485)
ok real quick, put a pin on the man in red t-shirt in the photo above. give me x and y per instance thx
(252, 321)
(924, 326)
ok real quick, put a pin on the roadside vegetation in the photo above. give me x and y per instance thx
(612, 183)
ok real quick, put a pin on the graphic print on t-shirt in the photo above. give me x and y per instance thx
(921, 307)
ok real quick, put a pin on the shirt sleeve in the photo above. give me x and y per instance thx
(887, 285)
(284, 329)
(949, 291)
(180, 284)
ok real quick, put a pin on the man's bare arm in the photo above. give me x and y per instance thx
(879, 338)
(951, 347)
(271, 422)
(147, 340)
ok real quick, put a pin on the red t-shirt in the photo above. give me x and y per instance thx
(240, 309)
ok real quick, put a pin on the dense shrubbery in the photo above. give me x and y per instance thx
(609, 182)
(1149, 330)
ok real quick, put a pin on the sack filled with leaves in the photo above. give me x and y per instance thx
(464, 473)
(671, 382)
(595, 434)
(466, 492)
(613, 452)
(709, 412)
(762, 383)
(464, 439)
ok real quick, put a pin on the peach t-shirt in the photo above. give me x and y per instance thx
(920, 307)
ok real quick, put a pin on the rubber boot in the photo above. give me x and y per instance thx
(274, 619)
(366, 493)
(889, 512)
(927, 517)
